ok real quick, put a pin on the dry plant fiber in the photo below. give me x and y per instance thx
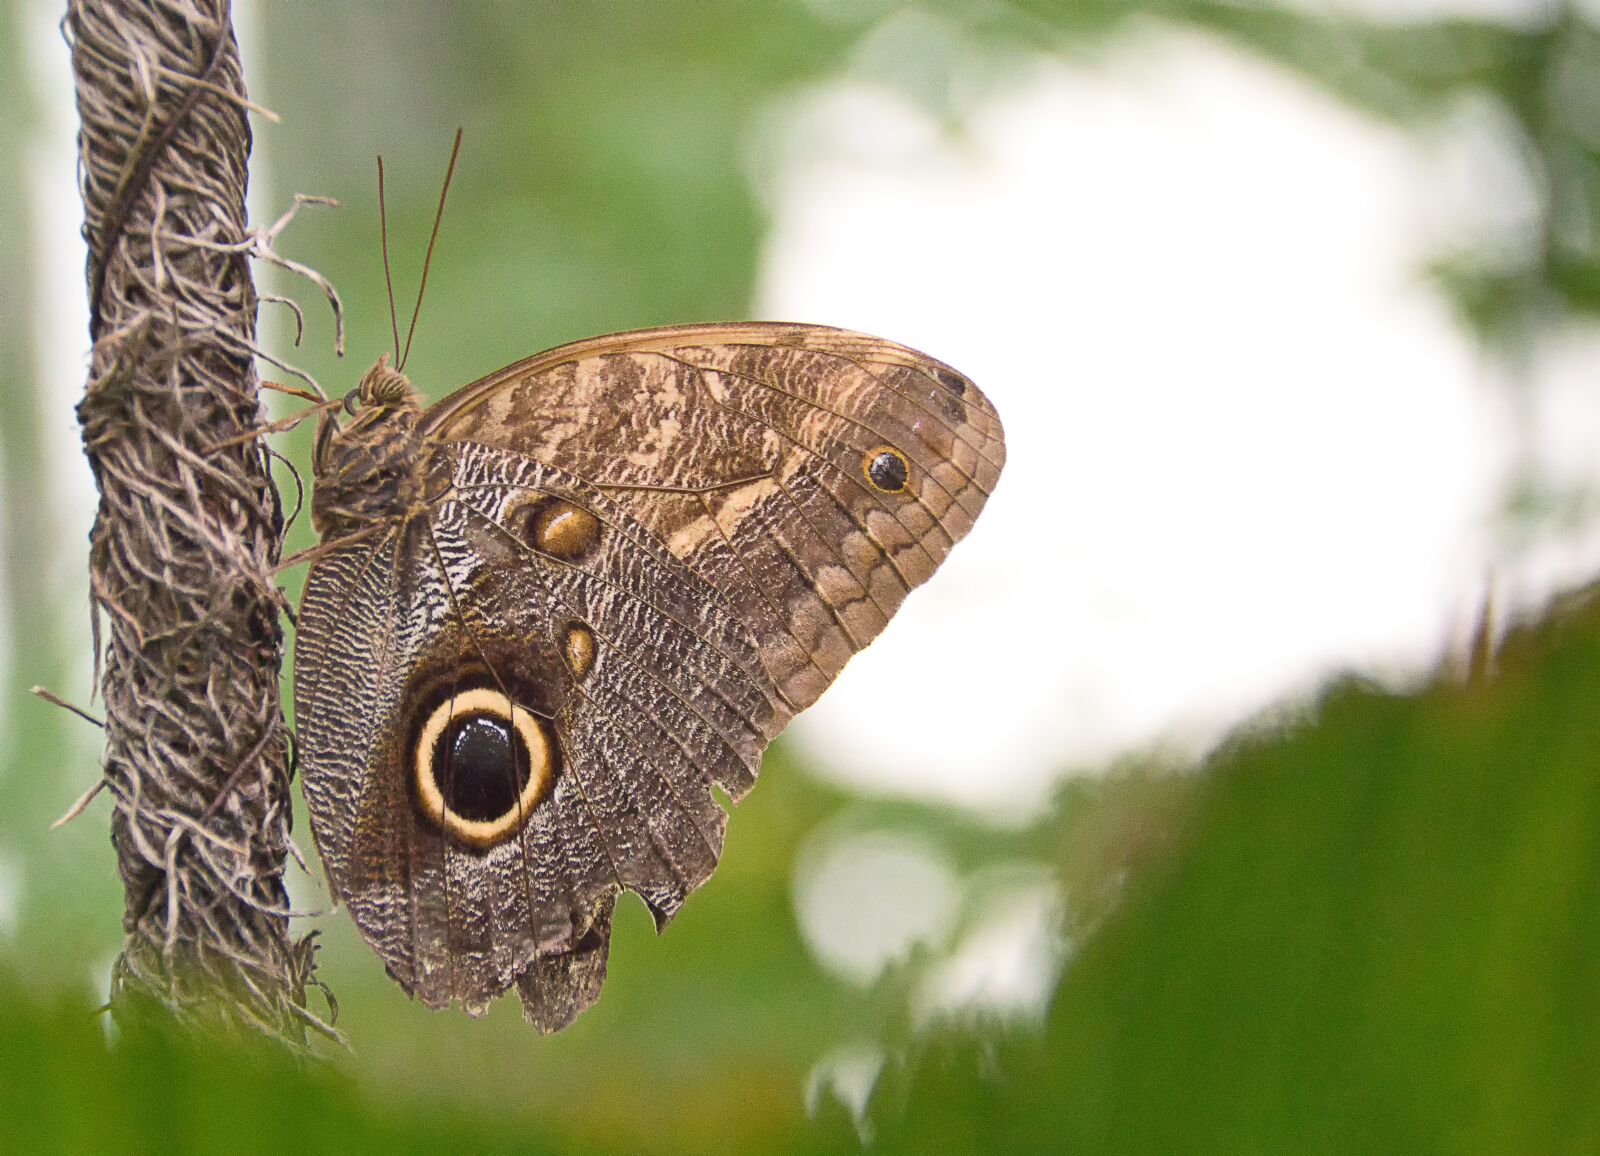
(186, 536)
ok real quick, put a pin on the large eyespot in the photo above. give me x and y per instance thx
(482, 765)
(887, 469)
(556, 527)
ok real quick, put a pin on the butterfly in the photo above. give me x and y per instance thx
(556, 612)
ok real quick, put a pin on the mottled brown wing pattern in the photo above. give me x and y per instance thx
(671, 701)
(742, 448)
(639, 556)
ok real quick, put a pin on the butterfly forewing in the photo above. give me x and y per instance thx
(745, 449)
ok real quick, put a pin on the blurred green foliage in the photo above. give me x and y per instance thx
(1373, 932)
(1378, 934)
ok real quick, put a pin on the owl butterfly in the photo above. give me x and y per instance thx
(554, 610)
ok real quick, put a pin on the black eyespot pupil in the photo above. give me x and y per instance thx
(480, 766)
(888, 472)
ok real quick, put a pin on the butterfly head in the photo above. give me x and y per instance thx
(382, 387)
(369, 466)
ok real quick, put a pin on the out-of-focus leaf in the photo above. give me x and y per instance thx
(1380, 934)
(62, 1090)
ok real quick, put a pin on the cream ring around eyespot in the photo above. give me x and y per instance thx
(541, 765)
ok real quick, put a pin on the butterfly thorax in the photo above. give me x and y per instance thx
(373, 468)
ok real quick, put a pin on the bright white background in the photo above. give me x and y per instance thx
(1250, 446)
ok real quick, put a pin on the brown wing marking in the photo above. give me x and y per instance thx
(781, 682)
(713, 843)
(628, 803)
(830, 397)
(336, 794)
(657, 553)
(911, 541)
(643, 710)
(861, 568)
(555, 988)
(647, 671)
(865, 358)
(935, 459)
(917, 534)
(875, 435)
(838, 602)
(574, 906)
(711, 680)
(866, 351)
(479, 909)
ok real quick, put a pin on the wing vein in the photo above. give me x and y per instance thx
(877, 498)
(916, 539)
(629, 656)
(733, 660)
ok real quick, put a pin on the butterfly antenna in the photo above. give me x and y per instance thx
(434, 236)
(388, 277)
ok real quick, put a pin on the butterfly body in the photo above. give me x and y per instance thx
(560, 606)
(372, 472)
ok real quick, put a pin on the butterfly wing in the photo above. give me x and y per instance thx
(748, 450)
(661, 700)
(649, 551)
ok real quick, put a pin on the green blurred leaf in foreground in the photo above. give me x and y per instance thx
(1380, 935)
(1377, 933)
